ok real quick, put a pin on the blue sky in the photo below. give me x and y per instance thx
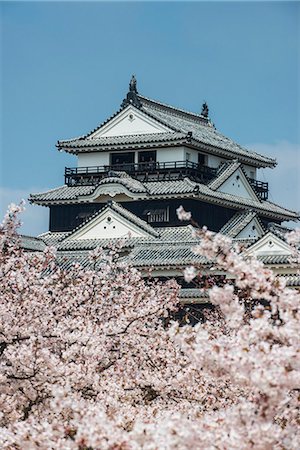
(66, 68)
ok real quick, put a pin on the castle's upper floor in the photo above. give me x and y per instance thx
(153, 141)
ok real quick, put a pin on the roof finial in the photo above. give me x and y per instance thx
(205, 110)
(132, 85)
(132, 95)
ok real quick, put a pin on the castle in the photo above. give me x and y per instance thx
(136, 168)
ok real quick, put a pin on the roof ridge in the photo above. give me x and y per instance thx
(176, 110)
(31, 237)
(190, 182)
(120, 137)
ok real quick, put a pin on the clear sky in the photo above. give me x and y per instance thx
(65, 67)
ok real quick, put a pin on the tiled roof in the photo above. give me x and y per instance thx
(275, 259)
(160, 255)
(165, 189)
(66, 259)
(202, 132)
(32, 243)
(166, 235)
(279, 230)
(91, 244)
(52, 238)
(65, 193)
(185, 186)
(178, 234)
(292, 280)
(123, 178)
(171, 248)
(182, 122)
(193, 292)
(166, 247)
(150, 188)
(237, 223)
(61, 193)
(264, 207)
(127, 141)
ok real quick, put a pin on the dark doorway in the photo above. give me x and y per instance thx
(201, 159)
(147, 160)
(122, 161)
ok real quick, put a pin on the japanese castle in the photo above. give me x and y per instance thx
(136, 168)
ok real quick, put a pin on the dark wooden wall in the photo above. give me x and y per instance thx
(67, 217)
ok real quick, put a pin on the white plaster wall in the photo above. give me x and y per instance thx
(214, 161)
(93, 159)
(130, 121)
(236, 186)
(107, 229)
(135, 126)
(170, 154)
(271, 247)
(248, 231)
(193, 155)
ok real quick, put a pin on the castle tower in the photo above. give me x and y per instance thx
(138, 166)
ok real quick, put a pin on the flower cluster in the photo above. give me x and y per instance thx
(182, 214)
(89, 358)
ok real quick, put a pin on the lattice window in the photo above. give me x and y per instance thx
(157, 215)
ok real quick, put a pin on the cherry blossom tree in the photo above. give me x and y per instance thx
(90, 358)
(257, 350)
(87, 348)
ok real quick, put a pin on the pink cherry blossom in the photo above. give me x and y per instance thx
(91, 358)
(182, 214)
(189, 273)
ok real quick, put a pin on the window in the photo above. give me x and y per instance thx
(147, 160)
(188, 156)
(122, 161)
(201, 159)
(147, 156)
(157, 215)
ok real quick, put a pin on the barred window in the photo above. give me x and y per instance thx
(157, 215)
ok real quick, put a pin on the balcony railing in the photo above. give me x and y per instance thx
(261, 188)
(147, 171)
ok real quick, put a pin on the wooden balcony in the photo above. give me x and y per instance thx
(261, 188)
(146, 171)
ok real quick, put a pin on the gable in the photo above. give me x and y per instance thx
(252, 230)
(269, 245)
(238, 185)
(130, 121)
(109, 225)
